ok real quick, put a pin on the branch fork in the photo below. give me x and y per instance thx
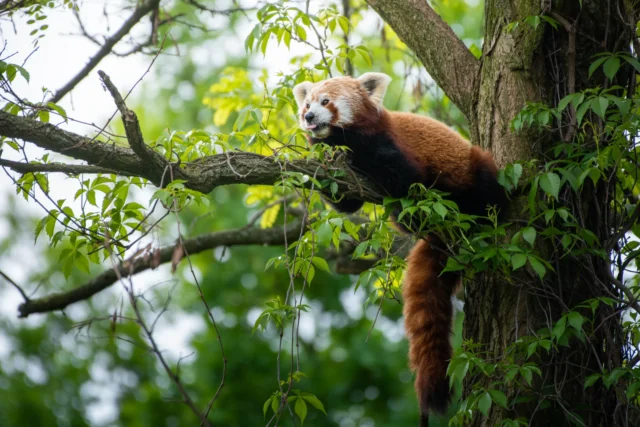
(156, 162)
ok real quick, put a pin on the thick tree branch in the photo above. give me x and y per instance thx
(59, 167)
(443, 54)
(203, 175)
(106, 48)
(136, 264)
(50, 137)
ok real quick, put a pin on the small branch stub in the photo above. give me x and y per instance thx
(154, 161)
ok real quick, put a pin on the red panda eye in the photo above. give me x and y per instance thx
(325, 102)
(308, 105)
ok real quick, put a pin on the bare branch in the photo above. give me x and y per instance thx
(155, 161)
(136, 264)
(435, 43)
(224, 12)
(15, 285)
(106, 48)
(59, 167)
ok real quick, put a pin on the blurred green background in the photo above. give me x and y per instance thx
(53, 373)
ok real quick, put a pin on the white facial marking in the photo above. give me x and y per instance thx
(323, 115)
(345, 113)
(319, 125)
(322, 132)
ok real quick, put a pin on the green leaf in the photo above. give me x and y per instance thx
(581, 111)
(527, 375)
(265, 407)
(314, 401)
(599, 106)
(484, 403)
(517, 173)
(67, 267)
(343, 21)
(529, 234)
(334, 187)
(575, 320)
(634, 62)
(301, 33)
(287, 39)
(453, 265)
(82, 262)
(611, 67)
(51, 223)
(623, 105)
(324, 233)
(321, 264)
(257, 115)
(241, 120)
(332, 24)
(11, 72)
(301, 410)
(591, 379)
(595, 65)
(518, 260)
(91, 197)
(498, 397)
(58, 109)
(360, 249)
(44, 116)
(365, 54)
(550, 183)
(440, 209)
(458, 372)
(559, 327)
(537, 266)
(24, 73)
(564, 102)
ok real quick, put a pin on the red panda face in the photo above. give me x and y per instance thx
(340, 102)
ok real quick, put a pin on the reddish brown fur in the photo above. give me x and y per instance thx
(443, 156)
(435, 146)
(428, 314)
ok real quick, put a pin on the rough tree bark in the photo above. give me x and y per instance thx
(528, 65)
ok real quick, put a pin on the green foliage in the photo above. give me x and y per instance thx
(600, 151)
(109, 218)
(253, 110)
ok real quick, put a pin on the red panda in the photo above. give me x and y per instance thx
(396, 150)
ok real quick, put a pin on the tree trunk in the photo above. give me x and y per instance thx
(539, 65)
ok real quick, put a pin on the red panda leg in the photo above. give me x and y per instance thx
(428, 314)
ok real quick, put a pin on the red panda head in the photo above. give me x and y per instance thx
(340, 102)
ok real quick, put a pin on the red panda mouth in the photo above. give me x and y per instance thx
(315, 127)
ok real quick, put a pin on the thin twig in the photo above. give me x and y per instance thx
(15, 285)
(106, 48)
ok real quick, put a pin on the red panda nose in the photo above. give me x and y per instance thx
(309, 116)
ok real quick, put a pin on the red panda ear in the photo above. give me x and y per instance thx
(375, 84)
(300, 92)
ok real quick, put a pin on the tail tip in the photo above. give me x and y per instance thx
(424, 419)
(435, 399)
